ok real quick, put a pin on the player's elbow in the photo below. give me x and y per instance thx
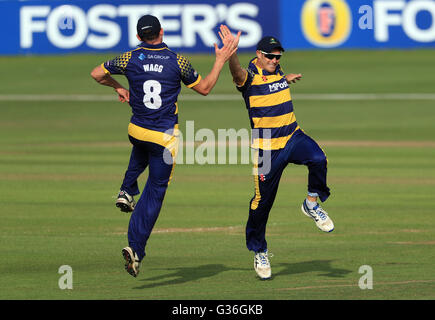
(239, 82)
(239, 79)
(97, 74)
(94, 74)
(205, 92)
(202, 88)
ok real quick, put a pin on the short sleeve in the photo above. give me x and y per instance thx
(117, 65)
(248, 81)
(188, 75)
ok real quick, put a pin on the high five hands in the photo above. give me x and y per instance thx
(230, 43)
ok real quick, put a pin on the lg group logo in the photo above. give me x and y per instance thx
(102, 25)
(329, 23)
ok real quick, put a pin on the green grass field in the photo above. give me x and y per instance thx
(62, 162)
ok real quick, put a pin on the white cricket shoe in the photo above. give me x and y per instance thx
(262, 265)
(132, 262)
(125, 202)
(320, 217)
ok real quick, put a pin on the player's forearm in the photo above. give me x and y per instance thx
(208, 83)
(104, 79)
(238, 73)
(110, 82)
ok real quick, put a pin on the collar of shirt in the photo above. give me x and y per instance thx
(153, 46)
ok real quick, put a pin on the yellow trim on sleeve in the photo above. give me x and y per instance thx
(104, 68)
(244, 81)
(195, 83)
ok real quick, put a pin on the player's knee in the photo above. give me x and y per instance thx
(260, 205)
(319, 159)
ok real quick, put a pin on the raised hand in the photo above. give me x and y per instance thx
(230, 43)
(227, 37)
(291, 78)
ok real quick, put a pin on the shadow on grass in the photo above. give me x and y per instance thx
(187, 274)
(323, 266)
(183, 275)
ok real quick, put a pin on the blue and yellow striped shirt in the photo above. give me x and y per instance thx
(268, 100)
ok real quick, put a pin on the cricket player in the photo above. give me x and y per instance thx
(279, 140)
(154, 75)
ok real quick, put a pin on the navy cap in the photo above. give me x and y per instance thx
(148, 25)
(268, 43)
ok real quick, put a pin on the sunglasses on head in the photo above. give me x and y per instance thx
(270, 56)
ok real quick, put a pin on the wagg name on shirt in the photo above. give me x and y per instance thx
(153, 67)
(102, 26)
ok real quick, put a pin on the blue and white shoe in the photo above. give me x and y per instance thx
(125, 202)
(320, 217)
(262, 265)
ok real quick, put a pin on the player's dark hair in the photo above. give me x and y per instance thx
(149, 37)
